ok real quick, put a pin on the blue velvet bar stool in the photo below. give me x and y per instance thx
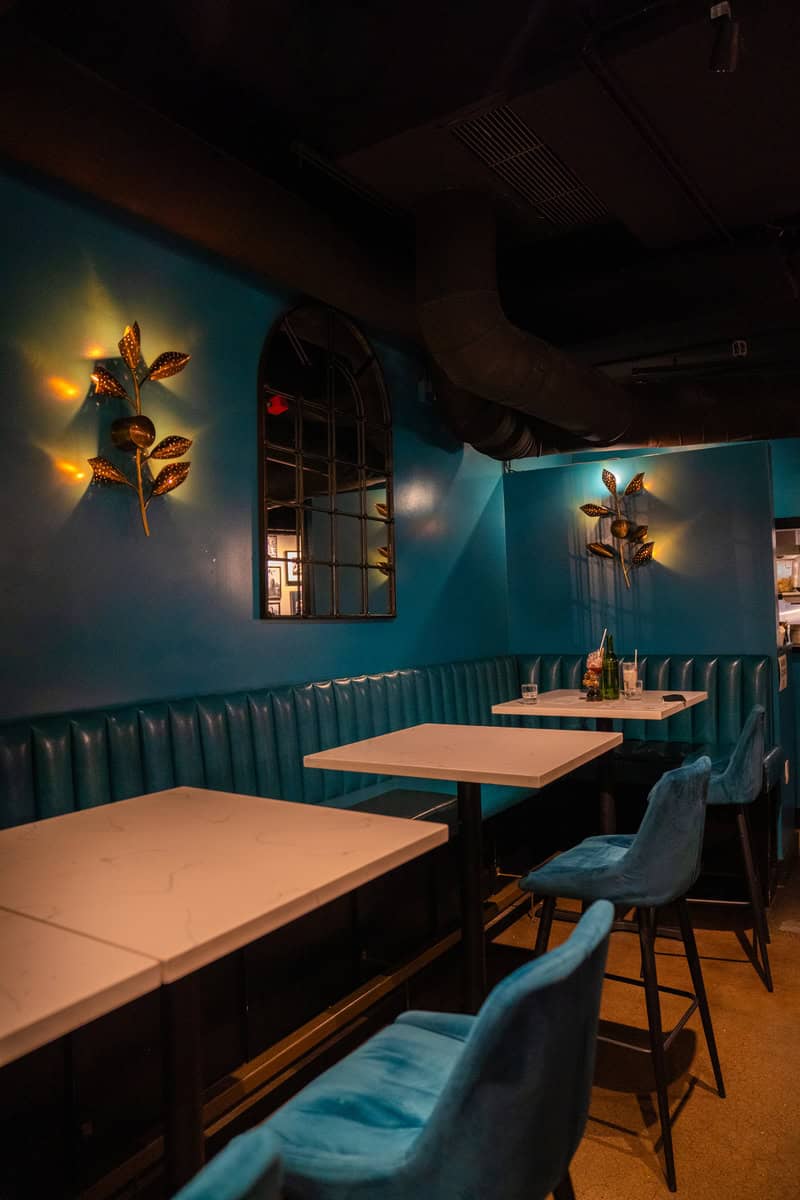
(249, 1168)
(645, 871)
(444, 1105)
(736, 781)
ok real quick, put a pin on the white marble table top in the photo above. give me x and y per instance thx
(470, 753)
(189, 875)
(568, 702)
(53, 981)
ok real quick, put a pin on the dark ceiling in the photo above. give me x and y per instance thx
(642, 196)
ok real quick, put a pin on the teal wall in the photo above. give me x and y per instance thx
(786, 476)
(92, 612)
(710, 587)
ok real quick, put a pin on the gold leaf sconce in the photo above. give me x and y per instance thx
(629, 546)
(136, 434)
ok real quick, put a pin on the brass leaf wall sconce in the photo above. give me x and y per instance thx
(629, 546)
(136, 434)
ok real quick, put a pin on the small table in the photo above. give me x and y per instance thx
(470, 755)
(53, 981)
(184, 877)
(569, 702)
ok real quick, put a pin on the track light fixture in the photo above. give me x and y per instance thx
(725, 51)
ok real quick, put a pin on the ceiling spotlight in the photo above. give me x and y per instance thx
(725, 51)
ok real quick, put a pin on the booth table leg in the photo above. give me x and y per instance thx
(608, 807)
(469, 819)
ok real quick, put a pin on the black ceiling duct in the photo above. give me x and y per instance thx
(477, 347)
(497, 431)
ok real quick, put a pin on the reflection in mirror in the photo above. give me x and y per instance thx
(379, 592)
(319, 590)
(349, 586)
(327, 527)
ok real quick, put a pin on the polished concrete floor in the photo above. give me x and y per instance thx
(746, 1147)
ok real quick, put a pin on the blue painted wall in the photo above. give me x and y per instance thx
(94, 613)
(710, 588)
(786, 476)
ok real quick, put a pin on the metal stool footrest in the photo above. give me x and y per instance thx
(677, 1027)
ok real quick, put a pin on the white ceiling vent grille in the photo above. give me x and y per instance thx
(510, 148)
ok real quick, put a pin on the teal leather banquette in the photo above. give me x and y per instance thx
(254, 742)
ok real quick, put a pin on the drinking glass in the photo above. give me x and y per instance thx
(638, 690)
(530, 693)
(629, 673)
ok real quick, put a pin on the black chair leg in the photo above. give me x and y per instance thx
(545, 925)
(646, 917)
(564, 1190)
(696, 971)
(760, 928)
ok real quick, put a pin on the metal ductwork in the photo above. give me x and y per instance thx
(479, 350)
(495, 430)
(511, 395)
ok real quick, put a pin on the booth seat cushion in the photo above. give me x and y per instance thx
(398, 797)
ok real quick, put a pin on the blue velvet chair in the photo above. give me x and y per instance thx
(440, 1106)
(249, 1168)
(645, 871)
(736, 781)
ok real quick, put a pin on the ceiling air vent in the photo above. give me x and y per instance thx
(510, 148)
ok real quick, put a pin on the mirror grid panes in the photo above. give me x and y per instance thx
(327, 521)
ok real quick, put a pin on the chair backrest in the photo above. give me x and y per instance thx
(514, 1109)
(249, 1168)
(664, 860)
(742, 780)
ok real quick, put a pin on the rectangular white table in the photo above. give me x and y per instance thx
(470, 755)
(53, 981)
(570, 702)
(184, 877)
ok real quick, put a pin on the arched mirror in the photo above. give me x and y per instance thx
(325, 438)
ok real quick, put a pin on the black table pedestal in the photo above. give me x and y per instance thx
(608, 807)
(470, 847)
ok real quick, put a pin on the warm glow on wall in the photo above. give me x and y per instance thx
(62, 387)
(95, 351)
(69, 469)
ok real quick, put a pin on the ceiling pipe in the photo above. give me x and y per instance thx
(494, 430)
(476, 346)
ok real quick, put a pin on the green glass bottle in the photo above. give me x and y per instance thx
(609, 675)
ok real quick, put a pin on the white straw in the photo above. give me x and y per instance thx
(636, 660)
(603, 638)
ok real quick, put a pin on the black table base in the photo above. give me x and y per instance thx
(608, 805)
(471, 856)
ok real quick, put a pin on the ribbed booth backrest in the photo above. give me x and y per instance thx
(251, 742)
(254, 742)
